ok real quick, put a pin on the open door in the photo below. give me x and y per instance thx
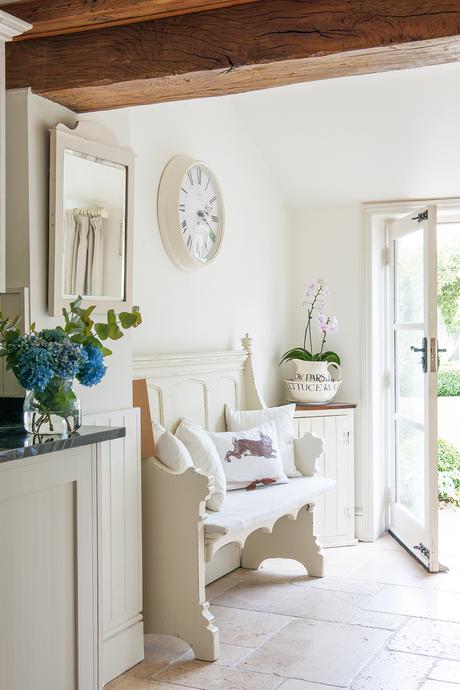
(413, 516)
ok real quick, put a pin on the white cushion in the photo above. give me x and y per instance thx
(247, 509)
(250, 457)
(205, 457)
(283, 417)
(170, 450)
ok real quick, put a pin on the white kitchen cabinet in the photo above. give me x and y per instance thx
(48, 572)
(334, 513)
(55, 562)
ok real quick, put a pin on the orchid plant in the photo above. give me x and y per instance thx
(315, 303)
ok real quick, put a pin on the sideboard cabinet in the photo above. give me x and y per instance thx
(334, 514)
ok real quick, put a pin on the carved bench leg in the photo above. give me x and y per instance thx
(173, 560)
(290, 538)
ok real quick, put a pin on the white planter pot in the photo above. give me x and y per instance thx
(316, 372)
(300, 391)
(313, 382)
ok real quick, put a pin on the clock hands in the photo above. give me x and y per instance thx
(203, 215)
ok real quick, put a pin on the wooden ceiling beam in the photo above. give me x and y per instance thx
(57, 17)
(231, 50)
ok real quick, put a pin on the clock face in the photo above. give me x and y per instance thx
(200, 212)
(190, 213)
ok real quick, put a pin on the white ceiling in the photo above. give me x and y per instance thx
(384, 136)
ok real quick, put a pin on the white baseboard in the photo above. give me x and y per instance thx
(123, 649)
(226, 559)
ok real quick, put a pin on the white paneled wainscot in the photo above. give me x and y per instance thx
(120, 536)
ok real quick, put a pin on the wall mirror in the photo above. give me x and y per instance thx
(91, 192)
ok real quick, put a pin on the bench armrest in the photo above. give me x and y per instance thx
(192, 475)
(307, 450)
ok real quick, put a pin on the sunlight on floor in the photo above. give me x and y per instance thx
(377, 621)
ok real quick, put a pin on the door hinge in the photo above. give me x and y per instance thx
(386, 256)
(424, 550)
(346, 437)
(421, 216)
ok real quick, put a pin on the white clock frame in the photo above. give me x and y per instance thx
(168, 216)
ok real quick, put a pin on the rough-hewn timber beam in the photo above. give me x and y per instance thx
(235, 49)
(55, 17)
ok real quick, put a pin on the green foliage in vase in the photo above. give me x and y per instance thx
(46, 362)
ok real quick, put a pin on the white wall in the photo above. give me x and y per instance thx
(247, 287)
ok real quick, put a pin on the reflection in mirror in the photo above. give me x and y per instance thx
(93, 259)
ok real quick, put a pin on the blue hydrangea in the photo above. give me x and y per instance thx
(41, 357)
(66, 358)
(92, 370)
(33, 369)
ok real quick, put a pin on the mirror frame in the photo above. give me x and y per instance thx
(95, 140)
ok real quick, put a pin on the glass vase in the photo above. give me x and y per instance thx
(54, 411)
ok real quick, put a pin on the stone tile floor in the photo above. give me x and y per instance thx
(376, 621)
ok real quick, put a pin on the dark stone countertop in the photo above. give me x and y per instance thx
(16, 444)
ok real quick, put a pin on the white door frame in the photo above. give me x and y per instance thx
(375, 368)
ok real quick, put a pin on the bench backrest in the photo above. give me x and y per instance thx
(199, 385)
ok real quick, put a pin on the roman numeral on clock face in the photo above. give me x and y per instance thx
(212, 200)
(214, 219)
(182, 208)
(190, 176)
(189, 242)
(184, 226)
(198, 175)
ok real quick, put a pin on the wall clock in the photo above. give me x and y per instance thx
(190, 213)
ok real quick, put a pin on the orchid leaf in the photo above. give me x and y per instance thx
(296, 353)
(330, 357)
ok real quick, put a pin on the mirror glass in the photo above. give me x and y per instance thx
(93, 259)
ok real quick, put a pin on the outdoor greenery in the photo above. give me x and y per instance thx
(449, 382)
(449, 473)
(449, 286)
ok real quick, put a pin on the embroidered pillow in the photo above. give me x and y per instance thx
(205, 457)
(283, 418)
(170, 450)
(250, 457)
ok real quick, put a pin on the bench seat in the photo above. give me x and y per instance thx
(246, 510)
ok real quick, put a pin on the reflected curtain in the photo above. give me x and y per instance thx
(84, 252)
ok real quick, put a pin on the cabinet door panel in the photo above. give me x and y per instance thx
(334, 513)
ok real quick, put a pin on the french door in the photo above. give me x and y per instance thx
(413, 347)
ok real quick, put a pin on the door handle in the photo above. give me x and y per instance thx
(423, 350)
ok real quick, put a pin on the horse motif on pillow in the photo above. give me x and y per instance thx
(242, 447)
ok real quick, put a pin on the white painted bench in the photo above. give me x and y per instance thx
(179, 536)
